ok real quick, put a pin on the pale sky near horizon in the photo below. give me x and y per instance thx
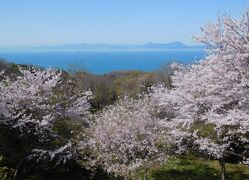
(51, 22)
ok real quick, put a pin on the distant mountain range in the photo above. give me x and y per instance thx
(102, 46)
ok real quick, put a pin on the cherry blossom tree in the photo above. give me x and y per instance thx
(34, 101)
(129, 135)
(28, 93)
(212, 96)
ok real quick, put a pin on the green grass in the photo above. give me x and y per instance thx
(195, 169)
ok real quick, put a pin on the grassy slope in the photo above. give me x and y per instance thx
(195, 169)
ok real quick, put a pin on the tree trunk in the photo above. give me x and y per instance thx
(223, 168)
(145, 174)
(18, 168)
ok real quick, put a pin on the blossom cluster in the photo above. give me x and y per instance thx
(214, 93)
(128, 135)
(34, 100)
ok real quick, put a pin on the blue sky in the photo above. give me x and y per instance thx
(51, 22)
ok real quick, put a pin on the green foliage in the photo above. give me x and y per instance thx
(14, 69)
(103, 95)
(109, 87)
(5, 172)
(205, 130)
(133, 82)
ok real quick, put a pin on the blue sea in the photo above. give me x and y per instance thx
(101, 62)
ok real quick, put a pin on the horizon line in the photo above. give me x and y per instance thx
(98, 43)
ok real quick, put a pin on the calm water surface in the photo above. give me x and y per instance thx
(99, 62)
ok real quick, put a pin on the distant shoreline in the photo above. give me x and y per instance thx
(107, 47)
